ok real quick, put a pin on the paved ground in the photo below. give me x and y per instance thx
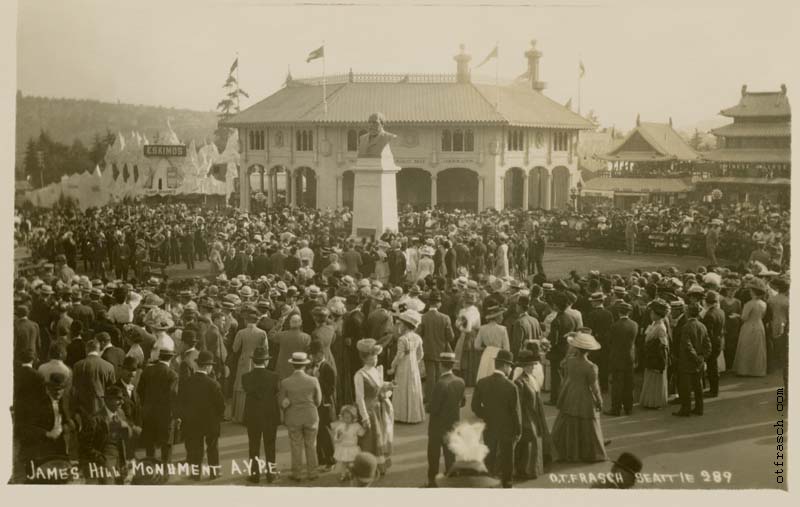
(731, 446)
(558, 261)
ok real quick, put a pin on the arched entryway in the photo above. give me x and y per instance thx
(538, 188)
(348, 185)
(560, 187)
(277, 186)
(306, 181)
(413, 188)
(457, 188)
(514, 183)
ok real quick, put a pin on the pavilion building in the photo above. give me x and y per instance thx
(462, 143)
(752, 161)
(652, 163)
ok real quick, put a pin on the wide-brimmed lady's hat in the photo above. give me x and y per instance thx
(299, 358)
(411, 317)
(659, 306)
(583, 341)
(159, 320)
(369, 346)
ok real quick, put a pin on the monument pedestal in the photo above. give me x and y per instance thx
(375, 195)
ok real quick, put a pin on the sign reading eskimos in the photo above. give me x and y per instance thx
(164, 150)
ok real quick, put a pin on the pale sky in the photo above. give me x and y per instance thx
(681, 61)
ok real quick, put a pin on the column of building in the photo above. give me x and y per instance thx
(525, 190)
(433, 191)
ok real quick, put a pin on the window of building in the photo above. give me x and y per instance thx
(353, 136)
(256, 139)
(304, 140)
(516, 140)
(561, 141)
(458, 140)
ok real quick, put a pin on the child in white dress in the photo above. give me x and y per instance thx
(345, 440)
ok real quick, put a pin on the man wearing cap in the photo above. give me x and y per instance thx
(444, 406)
(534, 450)
(621, 340)
(559, 327)
(300, 395)
(288, 342)
(261, 412)
(525, 326)
(693, 346)
(496, 402)
(436, 331)
(201, 407)
(714, 320)
(104, 439)
(158, 392)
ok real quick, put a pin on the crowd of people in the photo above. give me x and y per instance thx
(294, 323)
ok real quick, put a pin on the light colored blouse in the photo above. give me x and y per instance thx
(374, 373)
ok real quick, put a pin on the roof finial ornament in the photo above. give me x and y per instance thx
(744, 89)
(288, 74)
(637, 119)
(670, 121)
(533, 43)
(350, 76)
(462, 47)
(783, 88)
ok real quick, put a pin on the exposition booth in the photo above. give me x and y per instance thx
(136, 168)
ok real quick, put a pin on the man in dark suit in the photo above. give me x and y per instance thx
(277, 262)
(622, 338)
(104, 438)
(201, 409)
(380, 327)
(43, 424)
(290, 341)
(261, 412)
(91, 377)
(109, 352)
(80, 311)
(436, 331)
(326, 375)
(599, 320)
(76, 349)
(158, 392)
(127, 381)
(692, 344)
(533, 452)
(450, 261)
(496, 401)
(26, 335)
(352, 331)
(260, 265)
(559, 327)
(444, 406)
(28, 382)
(714, 320)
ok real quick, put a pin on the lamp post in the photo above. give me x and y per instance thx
(579, 186)
(573, 194)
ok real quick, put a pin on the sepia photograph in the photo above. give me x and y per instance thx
(265, 244)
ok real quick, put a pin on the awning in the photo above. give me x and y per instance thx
(598, 193)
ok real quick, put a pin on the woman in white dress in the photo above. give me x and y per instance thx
(491, 338)
(751, 351)
(501, 258)
(425, 265)
(382, 263)
(407, 397)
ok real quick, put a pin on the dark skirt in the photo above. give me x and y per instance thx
(378, 438)
(578, 439)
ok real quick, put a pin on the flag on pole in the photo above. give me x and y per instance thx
(491, 55)
(581, 69)
(234, 65)
(317, 53)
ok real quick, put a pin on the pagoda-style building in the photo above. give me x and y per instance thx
(652, 163)
(753, 159)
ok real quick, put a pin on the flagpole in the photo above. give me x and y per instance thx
(324, 84)
(497, 75)
(580, 78)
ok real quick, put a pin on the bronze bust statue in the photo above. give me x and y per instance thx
(371, 144)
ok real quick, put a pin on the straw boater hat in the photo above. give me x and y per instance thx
(494, 311)
(299, 358)
(447, 357)
(597, 296)
(584, 341)
(369, 346)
